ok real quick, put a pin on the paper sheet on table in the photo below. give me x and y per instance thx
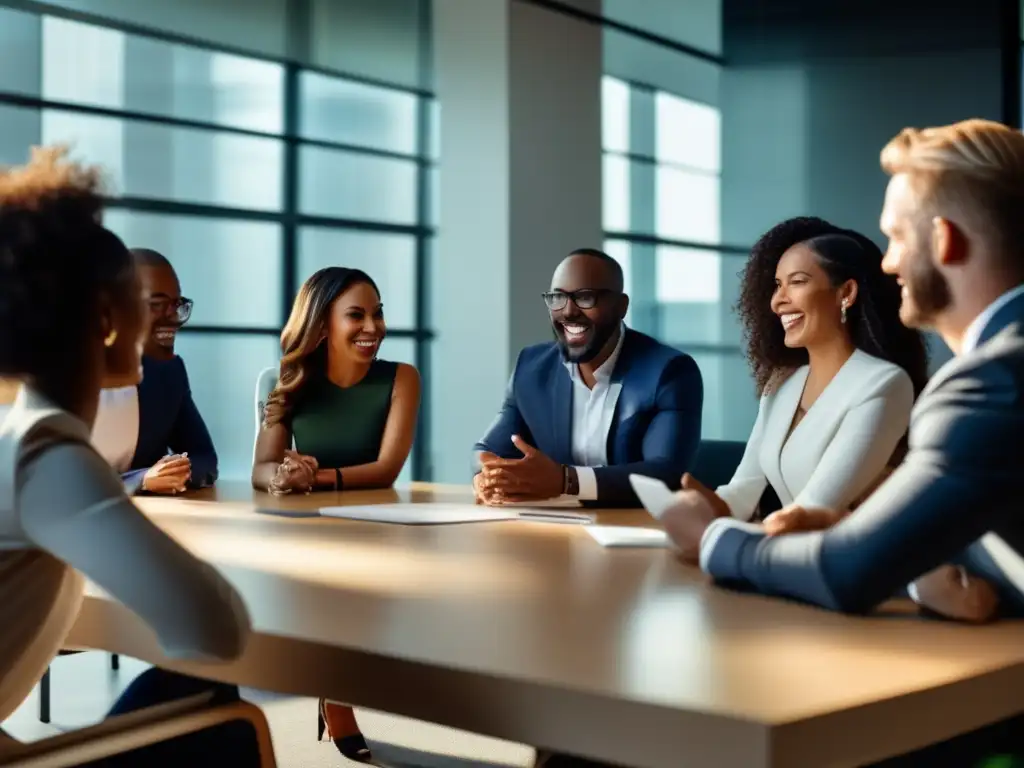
(559, 502)
(627, 536)
(421, 514)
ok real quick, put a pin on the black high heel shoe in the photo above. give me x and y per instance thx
(353, 745)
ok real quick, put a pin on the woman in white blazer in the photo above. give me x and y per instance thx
(836, 369)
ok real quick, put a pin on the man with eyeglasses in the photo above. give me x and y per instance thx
(599, 404)
(154, 434)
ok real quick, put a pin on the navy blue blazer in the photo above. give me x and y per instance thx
(655, 430)
(169, 422)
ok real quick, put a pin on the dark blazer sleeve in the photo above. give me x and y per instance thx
(671, 440)
(508, 422)
(960, 480)
(190, 435)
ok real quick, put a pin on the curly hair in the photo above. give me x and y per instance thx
(301, 348)
(873, 321)
(57, 262)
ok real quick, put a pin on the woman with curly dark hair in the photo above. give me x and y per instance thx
(71, 322)
(836, 369)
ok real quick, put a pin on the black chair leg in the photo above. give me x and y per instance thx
(44, 697)
(115, 661)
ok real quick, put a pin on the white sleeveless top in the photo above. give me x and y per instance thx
(64, 515)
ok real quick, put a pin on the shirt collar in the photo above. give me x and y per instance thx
(977, 326)
(608, 366)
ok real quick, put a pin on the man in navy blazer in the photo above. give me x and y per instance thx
(174, 449)
(602, 402)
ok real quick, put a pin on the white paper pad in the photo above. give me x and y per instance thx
(627, 536)
(421, 514)
(559, 502)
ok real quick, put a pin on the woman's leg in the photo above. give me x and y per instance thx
(231, 744)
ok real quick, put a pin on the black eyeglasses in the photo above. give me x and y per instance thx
(584, 299)
(182, 307)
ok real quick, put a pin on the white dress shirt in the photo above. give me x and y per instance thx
(592, 413)
(115, 432)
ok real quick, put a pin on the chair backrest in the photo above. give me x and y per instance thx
(265, 384)
(717, 461)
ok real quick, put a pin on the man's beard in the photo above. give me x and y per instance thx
(590, 350)
(929, 292)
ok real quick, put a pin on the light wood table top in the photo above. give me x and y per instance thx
(533, 633)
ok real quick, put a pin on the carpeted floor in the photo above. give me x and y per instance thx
(393, 740)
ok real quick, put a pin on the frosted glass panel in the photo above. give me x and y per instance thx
(20, 129)
(231, 269)
(19, 52)
(354, 113)
(616, 189)
(730, 399)
(620, 251)
(687, 133)
(614, 115)
(688, 275)
(347, 185)
(687, 206)
(390, 259)
(85, 64)
(183, 164)
(222, 370)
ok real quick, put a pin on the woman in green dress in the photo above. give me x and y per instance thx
(338, 418)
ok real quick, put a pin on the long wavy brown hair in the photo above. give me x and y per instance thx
(302, 351)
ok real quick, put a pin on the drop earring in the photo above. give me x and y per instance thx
(108, 342)
(842, 312)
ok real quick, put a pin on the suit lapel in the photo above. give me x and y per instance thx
(561, 423)
(777, 432)
(626, 399)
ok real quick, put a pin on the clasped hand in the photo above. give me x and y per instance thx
(534, 477)
(169, 475)
(295, 473)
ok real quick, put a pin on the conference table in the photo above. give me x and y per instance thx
(532, 632)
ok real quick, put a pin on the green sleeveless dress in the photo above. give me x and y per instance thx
(343, 427)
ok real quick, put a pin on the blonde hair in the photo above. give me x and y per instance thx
(971, 172)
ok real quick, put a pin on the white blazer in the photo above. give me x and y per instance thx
(840, 447)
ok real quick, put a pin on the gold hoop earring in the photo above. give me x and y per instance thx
(111, 338)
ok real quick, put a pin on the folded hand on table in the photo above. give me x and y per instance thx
(169, 475)
(534, 477)
(295, 473)
(952, 592)
(794, 519)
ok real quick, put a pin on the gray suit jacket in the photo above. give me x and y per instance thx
(958, 497)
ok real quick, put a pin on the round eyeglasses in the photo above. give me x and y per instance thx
(160, 306)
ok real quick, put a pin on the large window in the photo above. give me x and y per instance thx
(662, 221)
(248, 173)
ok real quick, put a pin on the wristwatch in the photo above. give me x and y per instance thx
(570, 481)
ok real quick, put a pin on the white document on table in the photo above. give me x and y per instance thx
(421, 514)
(558, 502)
(450, 514)
(627, 536)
